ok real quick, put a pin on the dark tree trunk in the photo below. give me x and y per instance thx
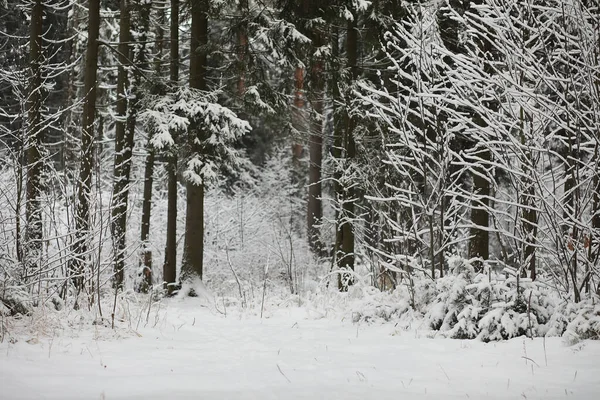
(530, 219)
(243, 48)
(170, 266)
(194, 223)
(593, 243)
(160, 42)
(147, 209)
(298, 170)
(141, 60)
(82, 218)
(480, 238)
(36, 131)
(529, 213)
(123, 145)
(479, 243)
(315, 149)
(174, 45)
(71, 121)
(594, 239)
(56, 34)
(346, 195)
(570, 212)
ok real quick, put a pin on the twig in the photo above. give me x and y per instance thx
(114, 307)
(130, 63)
(280, 371)
(149, 307)
(262, 305)
(237, 279)
(529, 314)
(447, 377)
(527, 358)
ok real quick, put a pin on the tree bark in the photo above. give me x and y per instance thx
(170, 265)
(141, 61)
(479, 243)
(594, 239)
(347, 195)
(123, 145)
(192, 266)
(529, 213)
(36, 132)
(146, 211)
(72, 118)
(82, 219)
(243, 48)
(174, 45)
(315, 149)
(298, 170)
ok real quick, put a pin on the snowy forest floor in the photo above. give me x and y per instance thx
(186, 350)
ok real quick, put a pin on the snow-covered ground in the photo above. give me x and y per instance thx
(190, 352)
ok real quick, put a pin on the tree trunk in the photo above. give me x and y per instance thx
(479, 243)
(174, 45)
(170, 266)
(194, 224)
(594, 244)
(571, 212)
(298, 170)
(71, 122)
(123, 145)
(594, 239)
(36, 131)
(315, 148)
(141, 61)
(82, 219)
(146, 210)
(529, 213)
(346, 195)
(242, 47)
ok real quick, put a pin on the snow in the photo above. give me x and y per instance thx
(189, 351)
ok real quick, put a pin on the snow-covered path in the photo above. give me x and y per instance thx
(195, 354)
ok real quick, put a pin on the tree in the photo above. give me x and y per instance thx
(123, 147)
(141, 60)
(36, 130)
(82, 218)
(194, 221)
(412, 113)
(316, 73)
(309, 18)
(345, 149)
(170, 265)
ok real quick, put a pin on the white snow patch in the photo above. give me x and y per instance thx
(189, 351)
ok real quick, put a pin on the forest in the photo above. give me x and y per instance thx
(441, 157)
(268, 184)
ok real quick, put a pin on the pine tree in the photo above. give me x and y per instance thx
(170, 265)
(193, 250)
(123, 147)
(82, 218)
(36, 133)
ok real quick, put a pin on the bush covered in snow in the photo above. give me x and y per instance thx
(583, 321)
(487, 306)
